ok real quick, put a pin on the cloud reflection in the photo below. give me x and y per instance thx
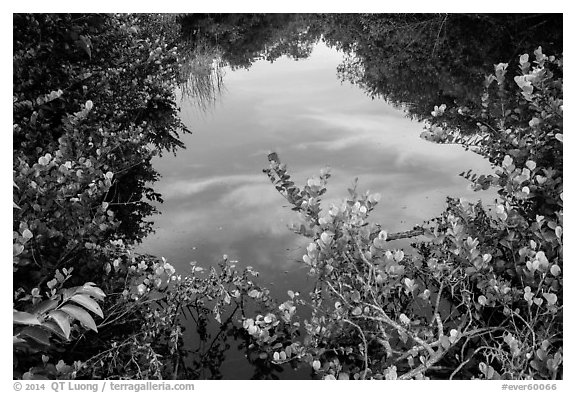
(186, 188)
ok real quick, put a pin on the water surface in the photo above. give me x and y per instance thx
(218, 201)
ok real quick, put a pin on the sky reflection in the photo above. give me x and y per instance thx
(218, 201)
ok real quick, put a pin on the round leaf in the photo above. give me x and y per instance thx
(27, 234)
(17, 249)
(445, 341)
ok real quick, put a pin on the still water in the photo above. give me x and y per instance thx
(217, 200)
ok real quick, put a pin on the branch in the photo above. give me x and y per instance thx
(387, 320)
(365, 346)
(424, 366)
(436, 313)
(467, 360)
(405, 235)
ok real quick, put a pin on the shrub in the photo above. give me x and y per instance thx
(93, 103)
(482, 297)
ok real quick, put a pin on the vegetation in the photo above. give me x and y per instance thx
(94, 102)
(244, 38)
(483, 296)
(413, 60)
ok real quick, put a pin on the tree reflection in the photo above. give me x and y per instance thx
(416, 61)
(243, 39)
(208, 345)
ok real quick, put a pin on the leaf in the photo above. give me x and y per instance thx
(88, 303)
(37, 334)
(67, 293)
(326, 238)
(254, 293)
(380, 243)
(81, 315)
(91, 290)
(44, 306)
(84, 43)
(445, 341)
(53, 327)
(27, 234)
(530, 165)
(273, 156)
(216, 312)
(383, 235)
(551, 298)
(316, 365)
(404, 319)
(62, 320)
(375, 198)
(410, 284)
(62, 367)
(17, 340)
(24, 318)
(483, 368)
(399, 256)
(482, 300)
(17, 249)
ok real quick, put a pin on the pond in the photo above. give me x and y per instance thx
(349, 92)
(217, 200)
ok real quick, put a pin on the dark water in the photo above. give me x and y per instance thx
(218, 201)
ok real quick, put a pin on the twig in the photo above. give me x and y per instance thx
(438, 35)
(467, 360)
(365, 346)
(424, 366)
(436, 314)
(529, 328)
